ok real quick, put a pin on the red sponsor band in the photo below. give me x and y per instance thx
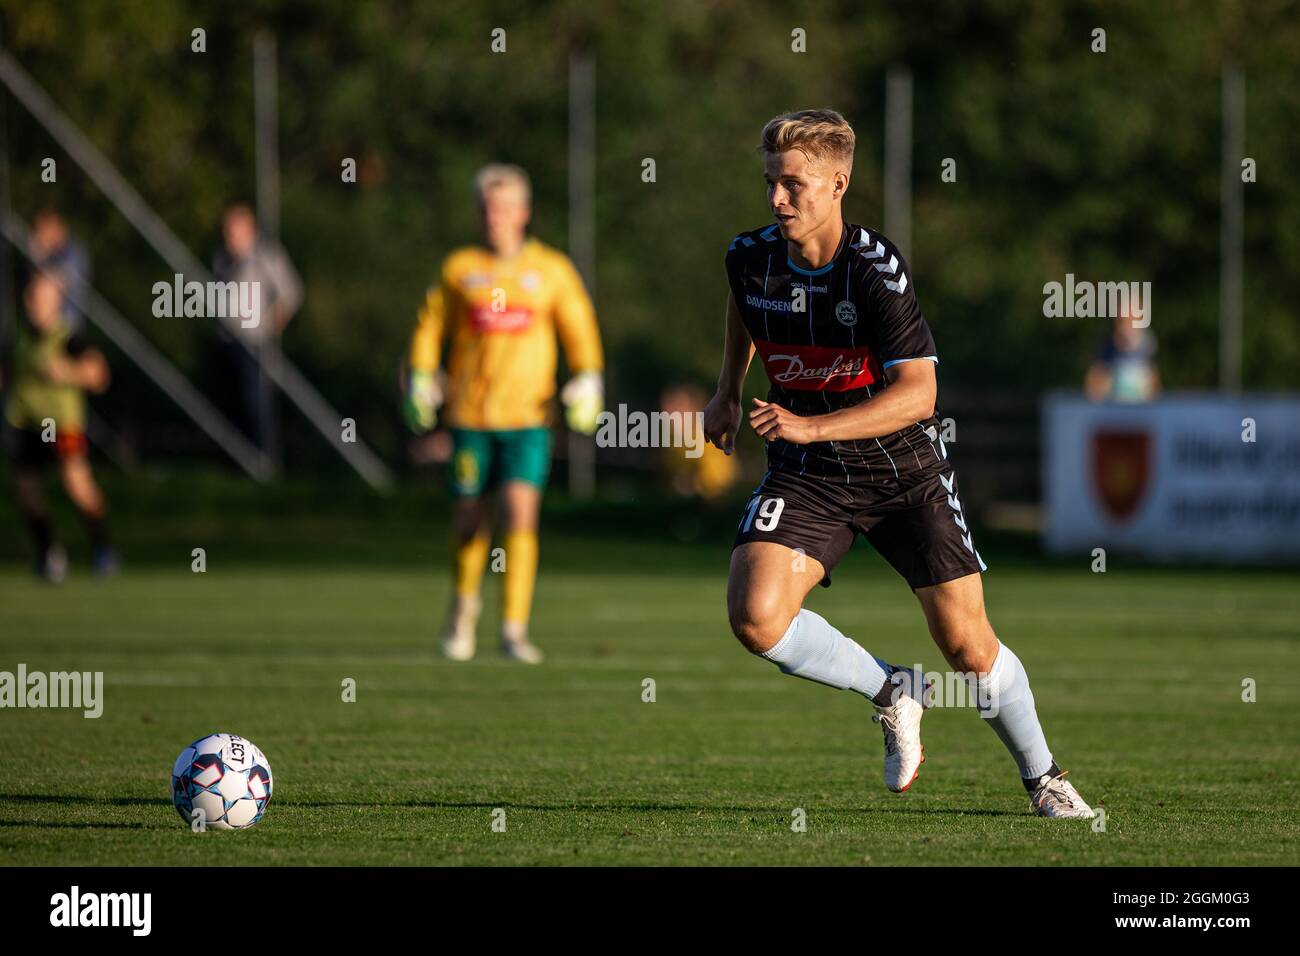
(511, 320)
(817, 368)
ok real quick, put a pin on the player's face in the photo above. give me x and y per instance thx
(803, 194)
(505, 217)
(43, 299)
(48, 232)
(239, 230)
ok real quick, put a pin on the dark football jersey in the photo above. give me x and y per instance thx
(826, 337)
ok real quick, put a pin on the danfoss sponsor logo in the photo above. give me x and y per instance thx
(796, 370)
(817, 367)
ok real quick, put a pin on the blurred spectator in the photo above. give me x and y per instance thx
(713, 472)
(248, 257)
(1124, 369)
(56, 252)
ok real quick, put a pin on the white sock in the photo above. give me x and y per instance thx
(813, 650)
(1012, 715)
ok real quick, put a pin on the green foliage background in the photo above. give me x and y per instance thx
(1104, 165)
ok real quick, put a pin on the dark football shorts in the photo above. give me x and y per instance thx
(915, 521)
(29, 452)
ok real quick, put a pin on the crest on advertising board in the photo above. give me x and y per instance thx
(1121, 471)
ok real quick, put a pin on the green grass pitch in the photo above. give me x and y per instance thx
(1137, 674)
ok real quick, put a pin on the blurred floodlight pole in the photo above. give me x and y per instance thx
(268, 208)
(898, 157)
(582, 229)
(1230, 229)
(101, 172)
(266, 118)
(7, 303)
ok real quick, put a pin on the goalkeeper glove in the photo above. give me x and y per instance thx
(423, 396)
(584, 399)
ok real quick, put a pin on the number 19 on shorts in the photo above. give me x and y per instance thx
(762, 513)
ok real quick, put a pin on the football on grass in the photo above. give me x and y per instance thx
(222, 782)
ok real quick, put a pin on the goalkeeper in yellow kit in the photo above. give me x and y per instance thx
(499, 309)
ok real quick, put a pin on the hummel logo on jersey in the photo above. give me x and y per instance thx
(864, 247)
(891, 267)
(869, 250)
(767, 235)
(958, 519)
(807, 286)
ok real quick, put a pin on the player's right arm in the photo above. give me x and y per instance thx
(84, 367)
(722, 414)
(423, 394)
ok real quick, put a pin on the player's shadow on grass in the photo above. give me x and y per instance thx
(487, 805)
(63, 825)
(636, 807)
(945, 811)
(82, 798)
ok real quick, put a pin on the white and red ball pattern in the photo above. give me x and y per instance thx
(226, 777)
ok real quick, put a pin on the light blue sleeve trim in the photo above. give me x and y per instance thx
(928, 358)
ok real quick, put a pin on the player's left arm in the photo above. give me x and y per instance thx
(575, 322)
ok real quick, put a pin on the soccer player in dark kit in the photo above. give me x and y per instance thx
(45, 424)
(853, 448)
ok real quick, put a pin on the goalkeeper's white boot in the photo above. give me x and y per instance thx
(516, 646)
(458, 642)
(900, 722)
(1055, 797)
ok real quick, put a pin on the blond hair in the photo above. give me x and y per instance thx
(495, 175)
(818, 134)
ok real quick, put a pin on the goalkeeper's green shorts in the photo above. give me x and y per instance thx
(482, 460)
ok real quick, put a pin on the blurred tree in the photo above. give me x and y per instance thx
(1105, 165)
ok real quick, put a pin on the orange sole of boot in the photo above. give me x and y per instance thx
(915, 775)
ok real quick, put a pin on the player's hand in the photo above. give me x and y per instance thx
(722, 421)
(584, 399)
(773, 422)
(423, 397)
(60, 371)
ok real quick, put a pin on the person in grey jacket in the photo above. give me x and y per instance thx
(56, 252)
(247, 256)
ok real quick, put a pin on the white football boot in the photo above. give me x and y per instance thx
(458, 642)
(515, 645)
(1055, 797)
(901, 725)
